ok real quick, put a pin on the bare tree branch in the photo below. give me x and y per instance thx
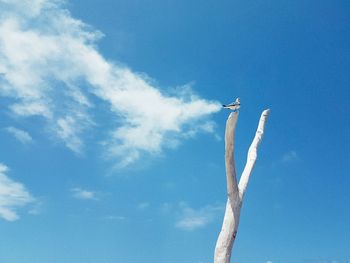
(232, 187)
(227, 236)
(229, 226)
(252, 154)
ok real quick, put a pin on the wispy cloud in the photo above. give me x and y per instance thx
(83, 194)
(113, 217)
(269, 261)
(191, 219)
(290, 156)
(12, 196)
(50, 67)
(22, 136)
(143, 206)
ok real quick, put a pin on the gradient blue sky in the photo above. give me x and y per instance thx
(112, 134)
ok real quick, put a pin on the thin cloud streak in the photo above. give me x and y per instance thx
(12, 196)
(143, 206)
(191, 219)
(50, 67)
(83, 194)
(20, 135)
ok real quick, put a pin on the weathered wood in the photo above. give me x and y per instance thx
(235, 192)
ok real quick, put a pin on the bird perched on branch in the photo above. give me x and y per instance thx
(234, 105)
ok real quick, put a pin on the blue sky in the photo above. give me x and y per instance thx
(111, 129)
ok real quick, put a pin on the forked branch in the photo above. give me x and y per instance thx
(235, 192)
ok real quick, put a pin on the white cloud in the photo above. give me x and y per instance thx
(83, 194)
(50, 67)
(12, 196)
(269, 261)
(22, 136)
(290, 156)
(191, 219)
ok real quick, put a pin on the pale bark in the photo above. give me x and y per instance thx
(235, 192)
(252, 154)
(232, 187)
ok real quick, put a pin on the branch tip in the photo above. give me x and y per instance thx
(266, 112)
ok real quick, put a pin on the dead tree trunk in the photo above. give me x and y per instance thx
(235, 192)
